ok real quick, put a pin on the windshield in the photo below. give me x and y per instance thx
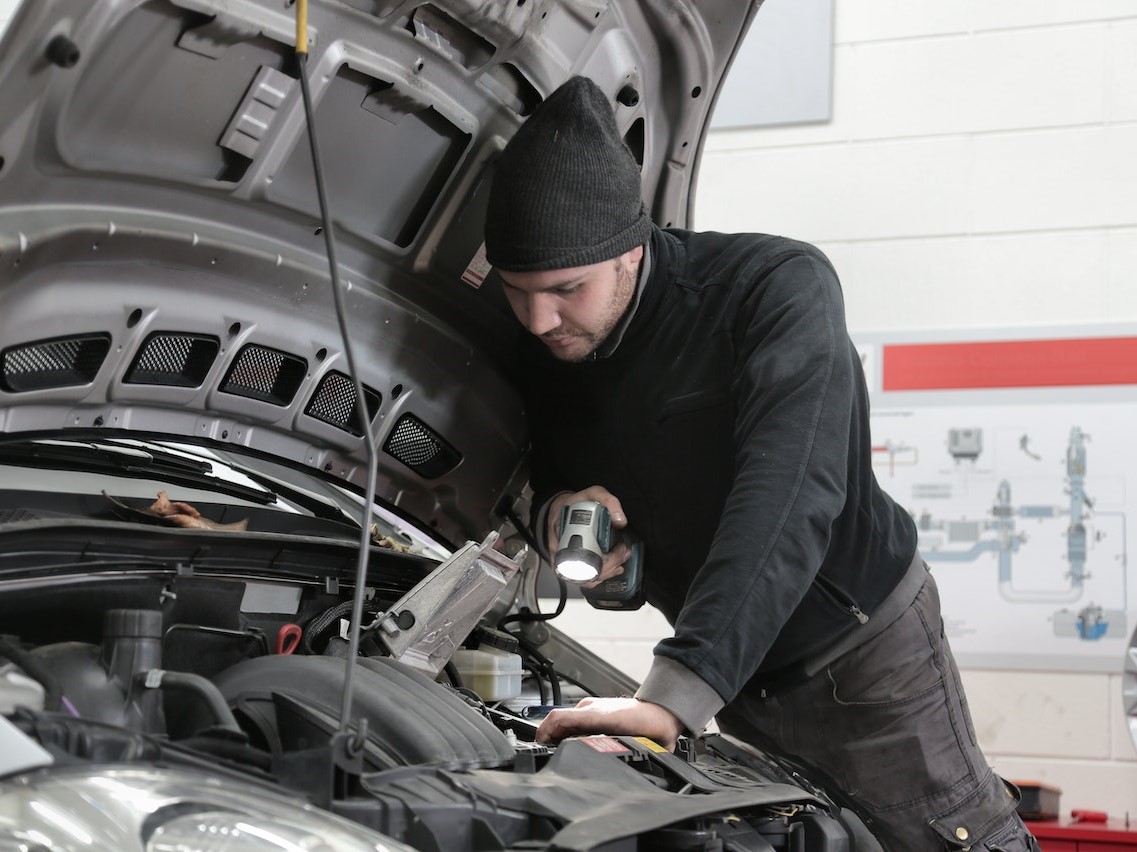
(176, 483)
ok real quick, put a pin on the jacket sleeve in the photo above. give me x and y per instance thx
(794, 394)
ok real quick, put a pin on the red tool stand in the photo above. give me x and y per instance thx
(1084, 831)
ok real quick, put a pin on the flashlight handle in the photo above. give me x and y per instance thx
(624, 591)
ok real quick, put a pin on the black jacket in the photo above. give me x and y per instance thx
(732, 424)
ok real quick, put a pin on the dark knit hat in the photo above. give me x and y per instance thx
(567, 189)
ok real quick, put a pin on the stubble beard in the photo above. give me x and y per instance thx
(621, 299)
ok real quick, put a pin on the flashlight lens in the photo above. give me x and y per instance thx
(577, 570)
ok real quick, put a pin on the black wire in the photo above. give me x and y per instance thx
(545, 666)
(526, 614)
(360, 399)
(554, 681)
(540, 686)
(319, 623)
(453, 674)
(522, 528)
(316, 626)
(577, 683)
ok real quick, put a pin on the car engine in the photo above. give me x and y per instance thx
(177, 664)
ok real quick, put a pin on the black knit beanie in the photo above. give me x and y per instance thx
(566, 191)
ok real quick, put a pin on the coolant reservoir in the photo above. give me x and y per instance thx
(18, 690)
(492, 669)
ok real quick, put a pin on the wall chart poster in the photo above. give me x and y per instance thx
(1016, 456)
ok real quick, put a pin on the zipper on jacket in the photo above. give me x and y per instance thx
(841, 598)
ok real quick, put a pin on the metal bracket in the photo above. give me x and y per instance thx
(431, 621)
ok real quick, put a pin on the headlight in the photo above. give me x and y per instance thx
(158, 810)
(214, 831)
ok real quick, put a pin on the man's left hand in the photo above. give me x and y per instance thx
(616, 716)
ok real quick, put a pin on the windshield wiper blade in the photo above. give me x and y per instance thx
(129, 461)
(320, 507)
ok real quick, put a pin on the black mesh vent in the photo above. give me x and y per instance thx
(265, 374)
(171, 358)
(334, 402)
(59, 363)
(421, 448)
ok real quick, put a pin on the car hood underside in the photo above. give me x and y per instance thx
(162, 255)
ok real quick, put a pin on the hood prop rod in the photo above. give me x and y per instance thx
(354, 746)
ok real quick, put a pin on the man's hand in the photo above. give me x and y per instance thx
(615, 558)
(616, 716)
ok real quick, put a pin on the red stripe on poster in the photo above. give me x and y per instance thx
(1010, 364)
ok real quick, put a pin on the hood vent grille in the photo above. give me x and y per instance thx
(173, 359)
(265, 374)
(334, 402)
(58, 363)
(421, 448)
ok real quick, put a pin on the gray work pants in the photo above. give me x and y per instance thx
(887, 725)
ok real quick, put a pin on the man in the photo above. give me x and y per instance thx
(703, 387)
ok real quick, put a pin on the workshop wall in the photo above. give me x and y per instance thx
(978, 172)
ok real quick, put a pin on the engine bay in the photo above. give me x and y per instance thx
(187, 662)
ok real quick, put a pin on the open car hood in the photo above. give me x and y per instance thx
(162, 261)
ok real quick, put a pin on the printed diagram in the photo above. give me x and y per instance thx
(1064, 552)
(898, 454)
(1016, 460)
(965, 444)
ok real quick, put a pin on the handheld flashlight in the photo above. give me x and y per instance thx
(586, 535)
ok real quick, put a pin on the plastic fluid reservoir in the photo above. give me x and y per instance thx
(18, 690)
(493, 673)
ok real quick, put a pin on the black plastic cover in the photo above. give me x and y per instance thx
(411, 720)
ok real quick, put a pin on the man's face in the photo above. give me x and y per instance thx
(574, 310)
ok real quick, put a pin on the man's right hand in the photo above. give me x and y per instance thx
(614, 561)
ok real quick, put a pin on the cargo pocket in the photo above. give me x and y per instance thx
(1013, 838)
(985, 823)
(890, 718)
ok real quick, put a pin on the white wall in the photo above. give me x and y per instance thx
(980, 170)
